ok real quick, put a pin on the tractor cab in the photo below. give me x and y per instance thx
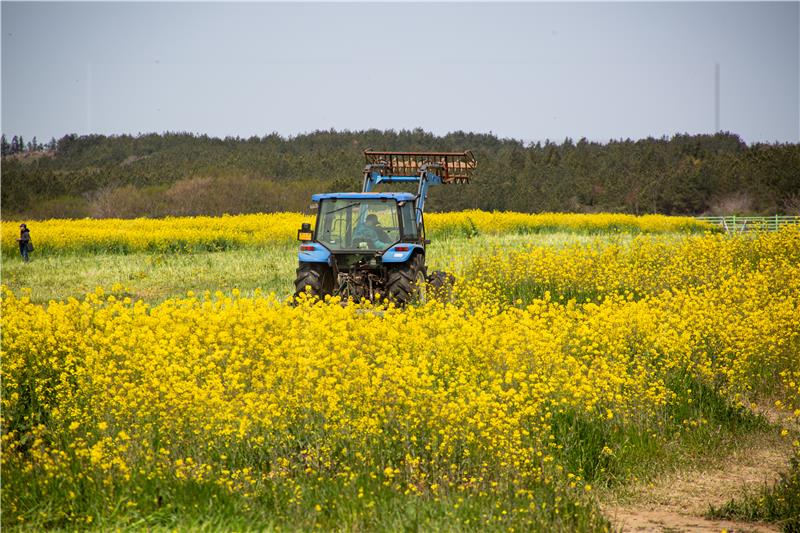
(365, 222)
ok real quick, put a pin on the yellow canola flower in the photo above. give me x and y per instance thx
(227, 232)
(449, 396)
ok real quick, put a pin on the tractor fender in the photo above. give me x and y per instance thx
(392, 255)
(319, 255)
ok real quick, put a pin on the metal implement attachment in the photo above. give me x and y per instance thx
(451, 167)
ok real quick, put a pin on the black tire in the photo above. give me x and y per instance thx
(441, 284)
(313, 279)
(406, 283)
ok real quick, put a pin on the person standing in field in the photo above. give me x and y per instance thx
(25, 244)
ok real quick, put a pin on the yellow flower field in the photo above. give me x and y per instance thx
(548, 372)
(221, 233)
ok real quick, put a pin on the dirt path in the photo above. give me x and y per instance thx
(665, 521)
(678, 501)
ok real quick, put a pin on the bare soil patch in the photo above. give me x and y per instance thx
(678, 500)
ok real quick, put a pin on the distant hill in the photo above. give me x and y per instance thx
(185, 174)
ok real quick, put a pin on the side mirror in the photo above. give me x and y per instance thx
(427, 242)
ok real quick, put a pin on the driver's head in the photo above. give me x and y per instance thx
(372, 219)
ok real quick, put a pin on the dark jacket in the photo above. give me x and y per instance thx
(372, 234)
(25, 234)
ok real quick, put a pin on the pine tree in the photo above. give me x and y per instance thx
(6, 148)
(20, 144)
(14, 145)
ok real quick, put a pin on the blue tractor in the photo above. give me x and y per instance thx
(373, 243)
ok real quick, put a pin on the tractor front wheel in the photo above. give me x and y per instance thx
(314, 279)
(441, 284)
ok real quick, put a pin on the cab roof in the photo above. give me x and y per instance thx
(397, 196)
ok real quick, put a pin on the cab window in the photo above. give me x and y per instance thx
(410, 231)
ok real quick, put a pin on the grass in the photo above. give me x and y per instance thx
(696, 429)
(778, 504)
(192, 506)
(155, 276)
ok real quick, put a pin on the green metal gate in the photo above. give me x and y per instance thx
(739, 224)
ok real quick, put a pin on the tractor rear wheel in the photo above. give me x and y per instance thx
(314, 279)
(406, 283)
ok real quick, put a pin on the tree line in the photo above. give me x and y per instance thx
(18, 146)
(183, 173)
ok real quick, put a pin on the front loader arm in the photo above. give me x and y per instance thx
(423, 168)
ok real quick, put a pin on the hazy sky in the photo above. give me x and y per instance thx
(525, 70)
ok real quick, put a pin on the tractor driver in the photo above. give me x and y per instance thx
(370, 231)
